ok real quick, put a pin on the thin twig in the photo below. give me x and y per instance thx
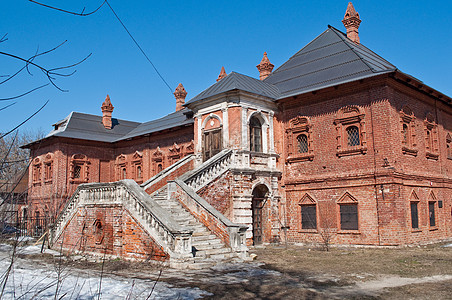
(82, 14)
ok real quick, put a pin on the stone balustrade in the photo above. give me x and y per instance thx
(173, 238)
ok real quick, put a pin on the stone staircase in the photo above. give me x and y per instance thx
(207, 248)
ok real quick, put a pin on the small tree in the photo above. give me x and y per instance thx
(328, 224)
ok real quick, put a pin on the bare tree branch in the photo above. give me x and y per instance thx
(82, 14)
(26, 120)
(26, 93)
(8, 106)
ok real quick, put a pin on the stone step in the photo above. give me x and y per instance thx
(210, 252)
(207, 246)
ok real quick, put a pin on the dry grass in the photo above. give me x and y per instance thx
(370, 262)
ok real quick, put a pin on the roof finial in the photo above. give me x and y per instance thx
(265, 67)
(180, 93)
(222, 74)
(107, 110)
(351, 21)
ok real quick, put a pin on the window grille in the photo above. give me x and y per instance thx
(77, 171)
(302, 141)
(353, 136)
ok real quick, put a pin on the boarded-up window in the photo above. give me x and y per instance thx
(349, 216)
(414, 215)
(431, 213)
(255, 135)
(308, 217)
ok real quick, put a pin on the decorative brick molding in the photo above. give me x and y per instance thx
(408, 131)
(300, 146)
(79, 169)
(431, 137)
(351, 131)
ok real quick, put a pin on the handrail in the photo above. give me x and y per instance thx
(166, 172)
(231, 233)
(209, 170)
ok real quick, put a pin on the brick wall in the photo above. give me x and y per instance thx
(110, 230)
(380, 178)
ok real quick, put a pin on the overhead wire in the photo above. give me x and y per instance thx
(82, 14)
(139, 47)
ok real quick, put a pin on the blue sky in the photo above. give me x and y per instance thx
(189, 41)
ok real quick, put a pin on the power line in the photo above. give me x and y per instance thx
(136, 43)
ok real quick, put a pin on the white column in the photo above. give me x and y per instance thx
(225, 127)
(199, 143)
(264, 138)
(271, 132)
(245, 142)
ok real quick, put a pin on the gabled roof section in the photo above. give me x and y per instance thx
(175, 119)
(328, 60)
(237, 81)
(90, 127)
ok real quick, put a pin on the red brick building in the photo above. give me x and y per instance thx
(336, 143)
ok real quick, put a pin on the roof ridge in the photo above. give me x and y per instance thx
(314, 60)
(345, 39)
(356, 53)
(275, 71)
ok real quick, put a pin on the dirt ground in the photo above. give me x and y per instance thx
(295, 272)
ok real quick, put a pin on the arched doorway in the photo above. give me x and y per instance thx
(257, 204)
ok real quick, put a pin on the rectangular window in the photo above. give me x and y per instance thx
(414, 216)
(349, 217)
(308, 217)
(48, 171)
(431, 213)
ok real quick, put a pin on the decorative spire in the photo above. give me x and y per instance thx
(180, 93)
(222, 74)
(351, 22)
(265, 67)
(107, 110)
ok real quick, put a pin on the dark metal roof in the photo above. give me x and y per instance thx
(330, 59)
(178, 118)
(90, 127)
(237, 81)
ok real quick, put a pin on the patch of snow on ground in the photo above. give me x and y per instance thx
(448, 245)
(27, 282)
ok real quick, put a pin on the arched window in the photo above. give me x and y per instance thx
(255, 135)
(351, 131)
(124, 173)
(302, 143)
(159, 168)
(353, 136)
